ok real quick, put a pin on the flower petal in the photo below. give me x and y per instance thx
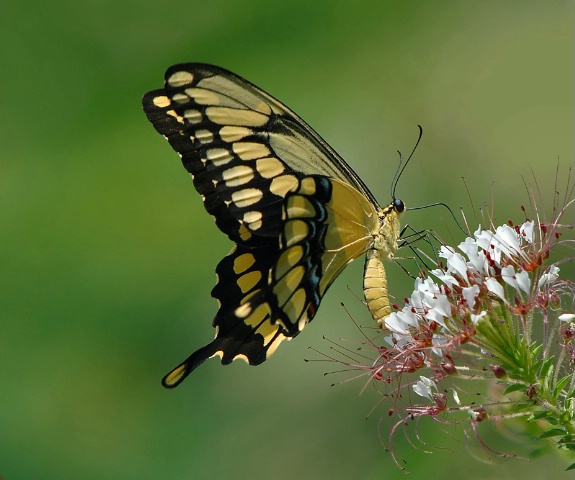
(423, 387)
(470, 294)
(476, 318)
(566, 317)
(526, 231)
(508, 276)
(524, 281)
(495, 287)
(549, 277)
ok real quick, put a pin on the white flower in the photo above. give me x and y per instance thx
(433, 298)
(519, 281)
(470, 294)
(524, 281)
(566, 317)
(477, 261)
(423, 387)
(476, 318)
(526, 231)
(438, 340)
(395, 324)
(408, 317)
(486, 240)
(446, 278)
(508, 240)
(505, 241)
(495, 287)
(549, 277)
(455, 396)
(456, 263)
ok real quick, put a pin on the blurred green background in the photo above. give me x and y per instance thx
(108, 257)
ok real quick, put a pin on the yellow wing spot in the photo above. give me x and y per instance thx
(193, 116)
(254, 219)
(294, 307)
(259, 315)
(283, 184)
(249, 280)
(275, 344)
(295, 231)
(243, 262)
(250, 150)
(302, 322)
(233, 134)
(245, 234)
(202, 96)
(175, 375)
(238, 175)
(172, 113)
(260, 320)
(287, 260)
(298, 206)
(235, 116)
(179, 79)
(161, 101)
(269, 167)
(219, 156)
(204, 136)
(307, 186)
(246, 197)
(287, 285)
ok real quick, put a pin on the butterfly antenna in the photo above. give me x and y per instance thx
(442, 205)
(394, 179)
(400, 168)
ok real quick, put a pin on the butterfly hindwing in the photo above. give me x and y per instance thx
(267, 295)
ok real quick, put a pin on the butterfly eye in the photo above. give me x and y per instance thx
(398, 205)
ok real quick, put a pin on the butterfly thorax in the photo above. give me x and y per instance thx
(383, 248)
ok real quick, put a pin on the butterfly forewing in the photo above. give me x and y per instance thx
(244, 149)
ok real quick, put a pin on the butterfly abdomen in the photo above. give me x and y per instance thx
(375, 287)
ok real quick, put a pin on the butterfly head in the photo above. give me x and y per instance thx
(398, 205)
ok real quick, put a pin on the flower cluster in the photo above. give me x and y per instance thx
(495, 309)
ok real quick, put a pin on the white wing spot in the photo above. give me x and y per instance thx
(238, 175)
(246, 197)
(269, 167)
(193, 116)
(250, 150)
(202, 96)
(219, 156)
(204, 136)
(180, 98)
(253, 219)
(243, 310)
(283, 184)
(233, 134)
(179, 79)
(235, 116)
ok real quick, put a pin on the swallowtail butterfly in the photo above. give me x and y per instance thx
(296, 211)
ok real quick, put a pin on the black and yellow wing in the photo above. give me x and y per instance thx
(296, 211)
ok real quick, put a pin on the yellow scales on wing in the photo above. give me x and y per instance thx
(297, 213)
